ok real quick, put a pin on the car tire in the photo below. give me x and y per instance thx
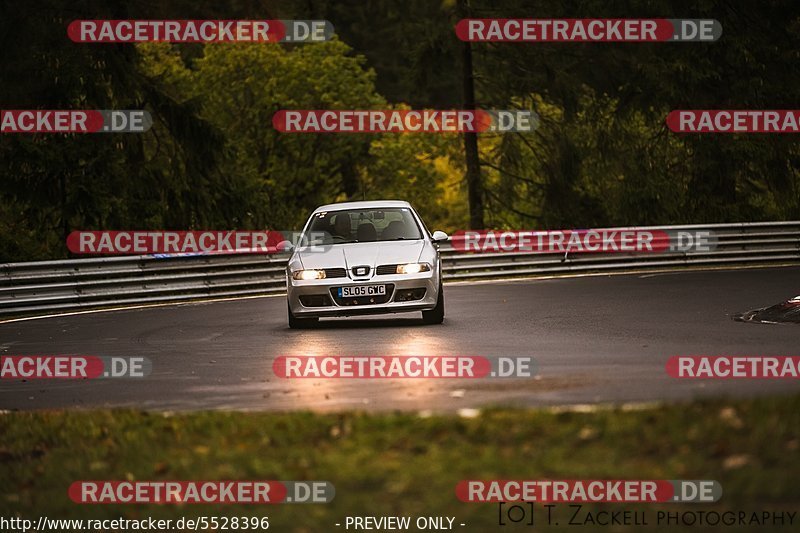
(435, 315)
(299, 323)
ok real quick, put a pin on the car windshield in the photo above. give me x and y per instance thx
(365, 225)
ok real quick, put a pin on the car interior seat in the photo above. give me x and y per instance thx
(366, 232)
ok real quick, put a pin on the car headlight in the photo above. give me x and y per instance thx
(413, 268)
(303, 275)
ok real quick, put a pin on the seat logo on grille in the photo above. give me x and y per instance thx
(360, 270)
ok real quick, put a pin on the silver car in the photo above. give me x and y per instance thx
(359, 258)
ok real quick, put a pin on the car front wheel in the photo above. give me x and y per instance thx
(299, 323)
(435, 315)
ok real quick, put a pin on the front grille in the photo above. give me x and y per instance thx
(316, 300)
(383, 270)
(363, 300)
(335, 273)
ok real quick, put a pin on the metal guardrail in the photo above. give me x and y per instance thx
(68, 285)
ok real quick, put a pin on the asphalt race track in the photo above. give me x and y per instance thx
(596, 339)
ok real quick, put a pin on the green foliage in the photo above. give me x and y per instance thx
(426, 170)
(399, 462)
(601, 156)
(605, 157)
(240, 87)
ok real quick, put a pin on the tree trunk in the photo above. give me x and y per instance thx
(473, 175)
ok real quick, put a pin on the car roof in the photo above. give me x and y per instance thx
(368, 204)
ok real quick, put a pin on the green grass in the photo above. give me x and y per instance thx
(401, 464)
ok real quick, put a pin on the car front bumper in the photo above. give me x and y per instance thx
(397, 284)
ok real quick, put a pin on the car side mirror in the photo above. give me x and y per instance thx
(439, 236)
(285, 246)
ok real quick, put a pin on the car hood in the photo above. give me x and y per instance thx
(362, 253)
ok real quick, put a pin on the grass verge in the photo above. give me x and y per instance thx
(403, 464)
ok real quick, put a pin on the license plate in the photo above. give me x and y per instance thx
(362, 290)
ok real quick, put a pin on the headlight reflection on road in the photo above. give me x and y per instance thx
(347, 393)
